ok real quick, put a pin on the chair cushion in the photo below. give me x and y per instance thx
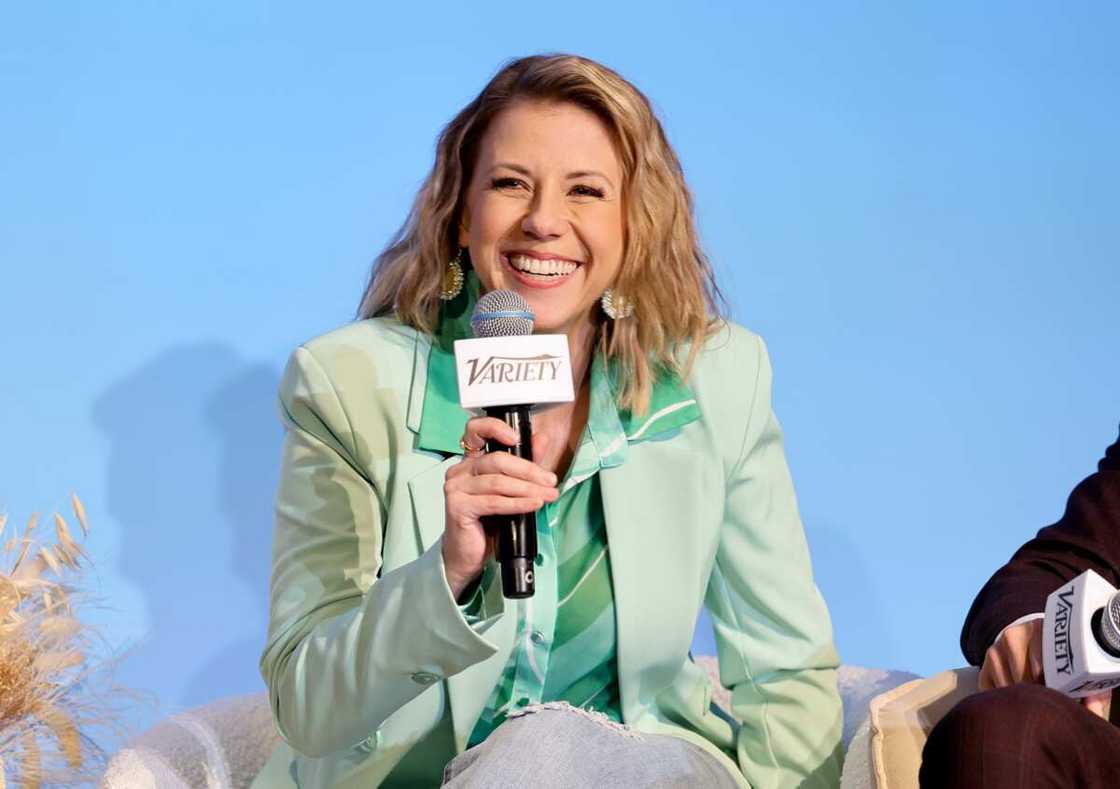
(901, 720)
(227, 742)
(223, 743)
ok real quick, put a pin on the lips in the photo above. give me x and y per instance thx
(539, 272)
(527, 264)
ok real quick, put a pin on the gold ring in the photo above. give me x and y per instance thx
(469, 450)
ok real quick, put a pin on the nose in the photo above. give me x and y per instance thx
(546, 217)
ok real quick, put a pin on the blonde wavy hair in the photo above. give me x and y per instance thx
(664, 273)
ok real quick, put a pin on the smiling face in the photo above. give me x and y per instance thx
(543, 213)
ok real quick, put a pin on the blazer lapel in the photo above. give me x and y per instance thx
(419, 382)
(655, 546)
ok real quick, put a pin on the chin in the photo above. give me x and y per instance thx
(551, 324)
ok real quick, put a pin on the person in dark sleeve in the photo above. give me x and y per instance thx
(1016, 732)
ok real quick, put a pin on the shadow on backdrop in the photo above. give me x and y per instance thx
(859, 629)
(194, 449)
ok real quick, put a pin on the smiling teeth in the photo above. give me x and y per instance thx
(531, 265)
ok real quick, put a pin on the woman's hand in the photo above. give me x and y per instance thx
(496, 483)
(1017, 657)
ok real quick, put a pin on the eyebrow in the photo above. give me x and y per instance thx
(517, 168)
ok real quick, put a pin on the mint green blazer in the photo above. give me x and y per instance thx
(371, 668)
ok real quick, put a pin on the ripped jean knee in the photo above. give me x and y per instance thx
(591, 715)
(554, 744)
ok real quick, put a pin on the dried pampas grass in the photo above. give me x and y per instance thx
(53, 692)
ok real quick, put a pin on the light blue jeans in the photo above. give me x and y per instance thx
(558, 745)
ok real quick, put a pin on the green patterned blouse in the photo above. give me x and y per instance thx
(565, 648)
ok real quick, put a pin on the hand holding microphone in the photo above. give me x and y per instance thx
(1081, 637)
(1074, 648)
(482, 485)
(493, 497)
(1015, 657)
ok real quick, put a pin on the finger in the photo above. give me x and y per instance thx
(463, 467)
(1016, 661)
(465, 511)
(504, 485)
(1034, 657)
(1098, 704)
(1014, 651)
(504, 505)
(985, 680)
(479, 429)
(513, 466)
(996, 669)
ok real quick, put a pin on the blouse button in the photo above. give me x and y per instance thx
(537, 637)
(369, 744)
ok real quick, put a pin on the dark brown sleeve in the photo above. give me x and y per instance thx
(1086, 538)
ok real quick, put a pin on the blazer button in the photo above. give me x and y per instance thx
(369, 744)
(424, 678)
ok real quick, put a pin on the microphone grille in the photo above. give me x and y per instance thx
(502, 313)
(1110, 626)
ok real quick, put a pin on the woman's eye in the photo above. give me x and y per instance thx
(587, 191)
(580, 190)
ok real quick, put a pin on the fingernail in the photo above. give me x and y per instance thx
(551, 478)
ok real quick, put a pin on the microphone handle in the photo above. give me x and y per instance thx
(517, 534)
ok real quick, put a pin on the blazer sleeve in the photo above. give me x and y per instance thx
(772, 627)
(1086, 538)
(347, 645)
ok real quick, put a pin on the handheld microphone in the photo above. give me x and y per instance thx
(1081, 637)
(506, 370)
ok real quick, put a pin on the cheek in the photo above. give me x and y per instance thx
(610, 241)
(493, 219)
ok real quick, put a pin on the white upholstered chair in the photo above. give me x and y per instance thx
(223, 744)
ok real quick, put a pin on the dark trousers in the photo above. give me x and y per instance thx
(1021, 736)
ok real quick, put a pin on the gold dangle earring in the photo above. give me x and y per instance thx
(615, 306)
(452, 277)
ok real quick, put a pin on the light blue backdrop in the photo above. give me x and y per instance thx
(915, 206)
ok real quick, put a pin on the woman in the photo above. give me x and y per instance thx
(662, 487)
